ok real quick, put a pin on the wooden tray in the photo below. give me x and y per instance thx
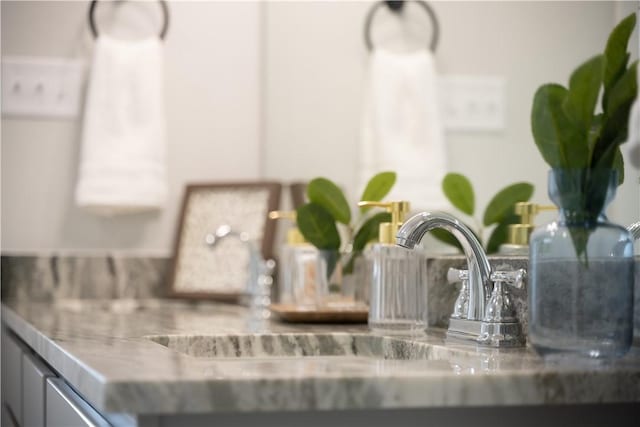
(290, 313)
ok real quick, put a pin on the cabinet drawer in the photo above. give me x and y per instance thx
(34, 383)
(65, 408)
(12, 375)
(7, 418)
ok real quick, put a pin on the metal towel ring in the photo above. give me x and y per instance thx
(396, 7)
(165, 12)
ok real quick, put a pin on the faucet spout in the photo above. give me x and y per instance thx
(411, 233)
(634, 229)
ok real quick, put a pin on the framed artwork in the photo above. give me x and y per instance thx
(220, 272)
(298, 194)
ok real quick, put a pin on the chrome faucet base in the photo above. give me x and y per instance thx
(488, 334)
(501, 334)
(464, 329)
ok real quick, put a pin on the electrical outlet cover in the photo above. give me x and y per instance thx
(42, 87)
(472, 103)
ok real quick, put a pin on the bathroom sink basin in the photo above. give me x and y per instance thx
(296, 345)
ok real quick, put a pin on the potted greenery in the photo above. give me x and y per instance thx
(581, 266)
(499, 212)
(327, 222)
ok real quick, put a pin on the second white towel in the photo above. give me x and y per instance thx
(401, 127)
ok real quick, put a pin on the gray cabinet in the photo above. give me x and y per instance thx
(34, 382)
(7, 418)
(11, 378)
(64, 408)
(32, 396)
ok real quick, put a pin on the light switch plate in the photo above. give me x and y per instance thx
(472, 103)
(42, 87)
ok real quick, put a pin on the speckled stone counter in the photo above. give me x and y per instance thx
(164, 357)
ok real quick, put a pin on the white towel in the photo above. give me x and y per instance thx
(401, 128)
(123, 155)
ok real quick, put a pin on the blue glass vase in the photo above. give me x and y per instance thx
(581, 271)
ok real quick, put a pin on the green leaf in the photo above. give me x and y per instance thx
(500, 234)
(369, 230)
(615, 54)
(616, 120)
(501, 205)
(624, 90)
(331, 258)
(595, 132)
(318, 226)
(584, 87)
(561, 144)
(446, 237)
(618, 165)
(325, 193)
(611, 158)
(459, 191)
(580, 237)
(378, 187)
(348, 267)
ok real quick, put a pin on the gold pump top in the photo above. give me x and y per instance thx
(518, 234)
(294, 236)
(387, 230)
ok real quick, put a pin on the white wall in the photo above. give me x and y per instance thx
(212, 76)
(273, 90)
(316, 63)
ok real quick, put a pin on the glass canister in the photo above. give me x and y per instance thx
(581, 271)
(398, 298)
(328, 277)
(397, 277)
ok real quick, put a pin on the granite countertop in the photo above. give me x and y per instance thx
(160, 356)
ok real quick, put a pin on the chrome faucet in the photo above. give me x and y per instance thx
(483, 312)
(634, 229)
(411, 233)
(260, 279)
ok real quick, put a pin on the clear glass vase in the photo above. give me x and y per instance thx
(328, 277)
(339, 279)
(581, 271)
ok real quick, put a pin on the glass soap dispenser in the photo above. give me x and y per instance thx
(296, 272)
(398, 297)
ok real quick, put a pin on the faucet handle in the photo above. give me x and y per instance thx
(500, 326)
(515, 278)
(461, 305)
(455, 275)
(500, 307)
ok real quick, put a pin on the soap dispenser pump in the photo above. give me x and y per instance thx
(398, 296)
(518, 234)
(296, 279)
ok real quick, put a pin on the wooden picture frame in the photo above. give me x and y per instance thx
(298, 191)
(199, 271)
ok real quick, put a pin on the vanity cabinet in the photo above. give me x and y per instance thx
(7, 419)
(12, 351)
(33, 396)
(65, 408)
(34, 380)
